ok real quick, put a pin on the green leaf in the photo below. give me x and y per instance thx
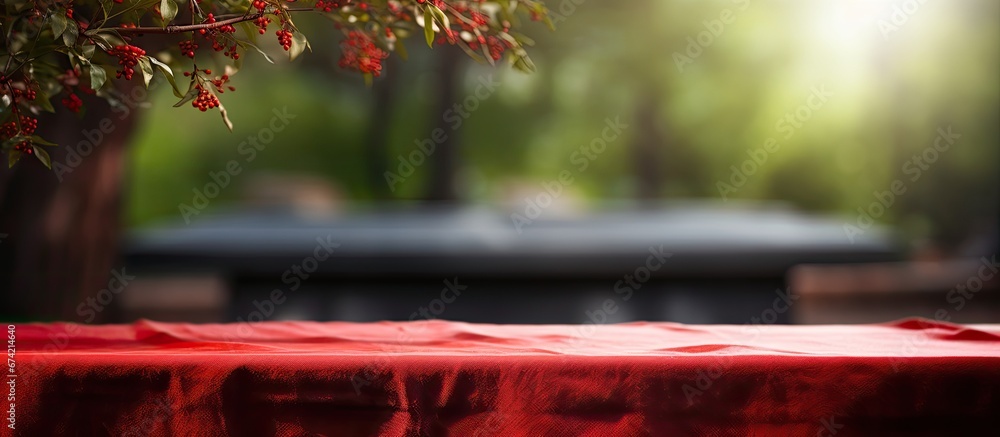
(106, 6)
(522, 62)
(189, 96)
(168, 10)
(548, 22)
(400, 50)
(59, 23)
(299, 45)
(109, 39)
(191, 93)
(147, 70)
(97, 77)
(43, 156)
(250, 31)
(87, 51)
(43, 101)
(70, 35)
(440, 16)
(266, 57)
(10, 142)
(428, 28)
(475, 56)
(225, 117)
(17, 4)
(169, 74)
(486, 52)
(35, 139)
(12, 157)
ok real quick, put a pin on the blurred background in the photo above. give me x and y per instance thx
(691, 161)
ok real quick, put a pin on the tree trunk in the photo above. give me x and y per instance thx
(377, 145)
(63, 225)
(646, 149)
(443, 163)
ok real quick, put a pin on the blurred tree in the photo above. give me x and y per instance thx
(62, 232)
(444, 161)
(61, 238)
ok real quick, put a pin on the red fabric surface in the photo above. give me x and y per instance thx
(440, 378)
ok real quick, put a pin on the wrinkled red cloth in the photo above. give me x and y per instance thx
(913, 377)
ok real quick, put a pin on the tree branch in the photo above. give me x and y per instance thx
(192, 27)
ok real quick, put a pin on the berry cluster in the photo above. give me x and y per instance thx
(205, 100)
(72, 102)
(26, 94)
(371, 29)
(24, 146)
(220, 84)
(228, 28)
(478, 19)
(27, 128)
(284, 38)
(128, 57)
(219, 44)
(232, 52)
(359, 52)
(330, 5)
(28, 125)
(188, 48)
(496, 47)
(262, 23)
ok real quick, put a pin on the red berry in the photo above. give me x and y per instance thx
(128, 57)
(72, 102)
(359, 53)
(262, 23)
(188, 48)
(27, 127)
(284, 38)
(205, 100)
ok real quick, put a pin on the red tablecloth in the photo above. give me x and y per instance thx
(438, 378)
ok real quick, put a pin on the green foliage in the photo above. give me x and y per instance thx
(891, 96)
(50, 46)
